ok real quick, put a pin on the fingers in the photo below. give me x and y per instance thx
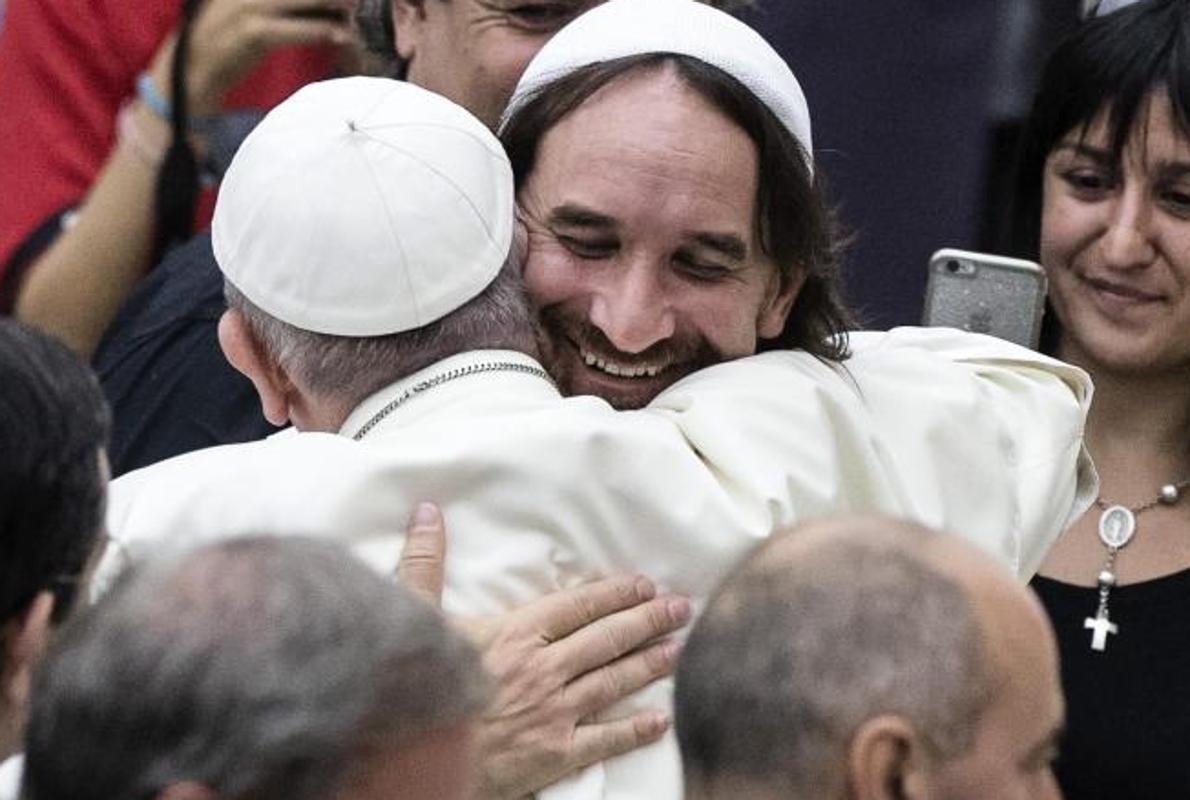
(270, 32)
(562, 613)
(597, 690)
(422, 567)
(614, 635)
(243, 29)
(602, 740)
(229, 39)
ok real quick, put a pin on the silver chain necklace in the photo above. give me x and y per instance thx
(446, 377)
(1117, 526)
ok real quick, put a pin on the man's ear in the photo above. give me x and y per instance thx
(408, 16)
(887, 760)
(781, 294)
(25, 637)
(245, 354)
(186, 791)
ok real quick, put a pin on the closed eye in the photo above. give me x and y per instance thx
(1088, 182)
(1177, 200)
(542, 16)
(594, 248)
(701, 271)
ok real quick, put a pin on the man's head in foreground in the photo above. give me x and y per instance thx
(54, 426)
(664, 168)
(264, 668)
(365, 231)
(471, 51)
(869, 658)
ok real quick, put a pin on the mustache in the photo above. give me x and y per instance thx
(695, 351)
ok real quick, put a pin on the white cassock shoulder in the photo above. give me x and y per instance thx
(295, 484)
(962, 432)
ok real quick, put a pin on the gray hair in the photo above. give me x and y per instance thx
(346, 369)
(257, 667)
(793, 656)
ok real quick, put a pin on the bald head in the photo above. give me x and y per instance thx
(837, 624)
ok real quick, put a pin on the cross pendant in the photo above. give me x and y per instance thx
(1101, 626)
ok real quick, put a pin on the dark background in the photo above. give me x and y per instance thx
(914, 106)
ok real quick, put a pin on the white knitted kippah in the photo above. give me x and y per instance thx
(621, 28)
(364, 207)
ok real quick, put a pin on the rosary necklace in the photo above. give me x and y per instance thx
(1117, 525)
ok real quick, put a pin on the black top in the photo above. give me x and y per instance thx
(170, 387)
(1128, 707)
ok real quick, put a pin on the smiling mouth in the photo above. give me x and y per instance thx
(1121, 291)
(619, 370)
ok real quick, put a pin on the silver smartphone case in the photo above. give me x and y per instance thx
(982, 293)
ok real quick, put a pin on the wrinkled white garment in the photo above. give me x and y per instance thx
(958, 431)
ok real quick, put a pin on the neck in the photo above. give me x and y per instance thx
(1138, 428)
(318, 414)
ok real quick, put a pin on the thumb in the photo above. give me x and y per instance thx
(422, 568)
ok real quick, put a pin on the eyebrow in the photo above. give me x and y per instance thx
(575, 216)
(1098, 154)
(1173, 170)
(1167, 170)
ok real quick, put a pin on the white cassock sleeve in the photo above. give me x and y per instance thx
(962, 432)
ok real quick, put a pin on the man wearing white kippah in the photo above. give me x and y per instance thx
(364, 231)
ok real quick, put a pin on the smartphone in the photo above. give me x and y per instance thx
(983, 293)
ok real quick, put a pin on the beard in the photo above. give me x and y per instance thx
(566, 339)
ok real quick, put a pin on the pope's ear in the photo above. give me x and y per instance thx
(408, 25)
(887, 760)
(246, 354)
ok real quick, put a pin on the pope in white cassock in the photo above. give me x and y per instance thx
(366, 233)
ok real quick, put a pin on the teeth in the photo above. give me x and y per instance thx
(592, 360)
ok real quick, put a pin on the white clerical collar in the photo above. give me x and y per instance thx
(476, 362)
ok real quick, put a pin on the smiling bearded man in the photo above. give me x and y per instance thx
(670, 199)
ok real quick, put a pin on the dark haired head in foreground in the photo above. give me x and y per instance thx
(54, 427)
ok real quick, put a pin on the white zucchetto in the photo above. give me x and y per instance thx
(364, 207)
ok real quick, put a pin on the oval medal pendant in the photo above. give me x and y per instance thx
(1116, 526)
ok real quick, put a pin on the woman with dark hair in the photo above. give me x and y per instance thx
(1104, 191)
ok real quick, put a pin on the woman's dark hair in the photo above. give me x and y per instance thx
(1111, 65)
(53, 423)
(795, 226)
